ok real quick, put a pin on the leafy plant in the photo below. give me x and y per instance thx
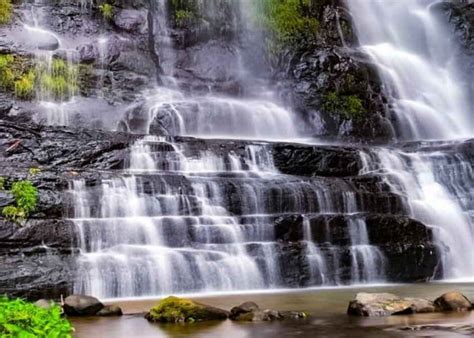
(22, 319)
(5, 11)
(107, 11)
(346, 106)
(2, 183)
(26, 198)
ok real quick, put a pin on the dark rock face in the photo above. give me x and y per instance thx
(37, 258)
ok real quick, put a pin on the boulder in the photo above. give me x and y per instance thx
(387, 304)
(131, 20)
(182, 310)
(109, 311)
(453, 301)
(250, 312)
(43, 303)
(81, 305)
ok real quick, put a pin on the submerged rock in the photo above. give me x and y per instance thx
(251, 312)
(109, 311)
(182, 310)
(453, 301)
(387, 304)
(81, 305)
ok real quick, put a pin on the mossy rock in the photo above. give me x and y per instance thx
(182, 310)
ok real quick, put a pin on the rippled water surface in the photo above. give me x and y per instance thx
(326, 307)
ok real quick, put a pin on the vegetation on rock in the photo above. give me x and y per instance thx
(287, 21)
(25, 86)
(107, 11)
(59, 81)
(26, 198)
(346, 106)
(176, 310)
(183, 16)
(19, 318)
(5, 11)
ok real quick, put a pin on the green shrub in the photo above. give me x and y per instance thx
(346, 106)
(7, 76)
(107, 11)
(183, 16)
(287, 20)
(5, 11)
(25, 86)
(26, 198)
(20, 319)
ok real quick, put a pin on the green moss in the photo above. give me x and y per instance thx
(181, 310)
(2, 183)
(346, 106)
(107, 11)
(173, 309)
(7, 76)
(287, 21)
(34, 171)
(5, 11)
(59, 81)
(25, 320)
(25, 86)
(26, 197)
(183, 17)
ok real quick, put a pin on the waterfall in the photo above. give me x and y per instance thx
(181, 220)
(413, 49)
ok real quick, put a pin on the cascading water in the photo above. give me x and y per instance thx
(252, 114)
(169, 224)
(413, 51)
(187, 218)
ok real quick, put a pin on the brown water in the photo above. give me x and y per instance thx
(327, 309)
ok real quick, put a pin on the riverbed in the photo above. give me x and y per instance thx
(326, 307)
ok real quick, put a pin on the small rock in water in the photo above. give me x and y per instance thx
(182, 310)
(251, 312)
(109, 311)
(81, 305)
(453, 301)
(387, 304)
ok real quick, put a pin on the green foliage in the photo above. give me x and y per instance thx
(26, 198)
(59, 81)
(20, 319)
(2, 183)
(5, 11)
(7, 76)
(174, 309)
(25, 86)
(107, 11)
(346, 106)
(183, 16)
(287, 20)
